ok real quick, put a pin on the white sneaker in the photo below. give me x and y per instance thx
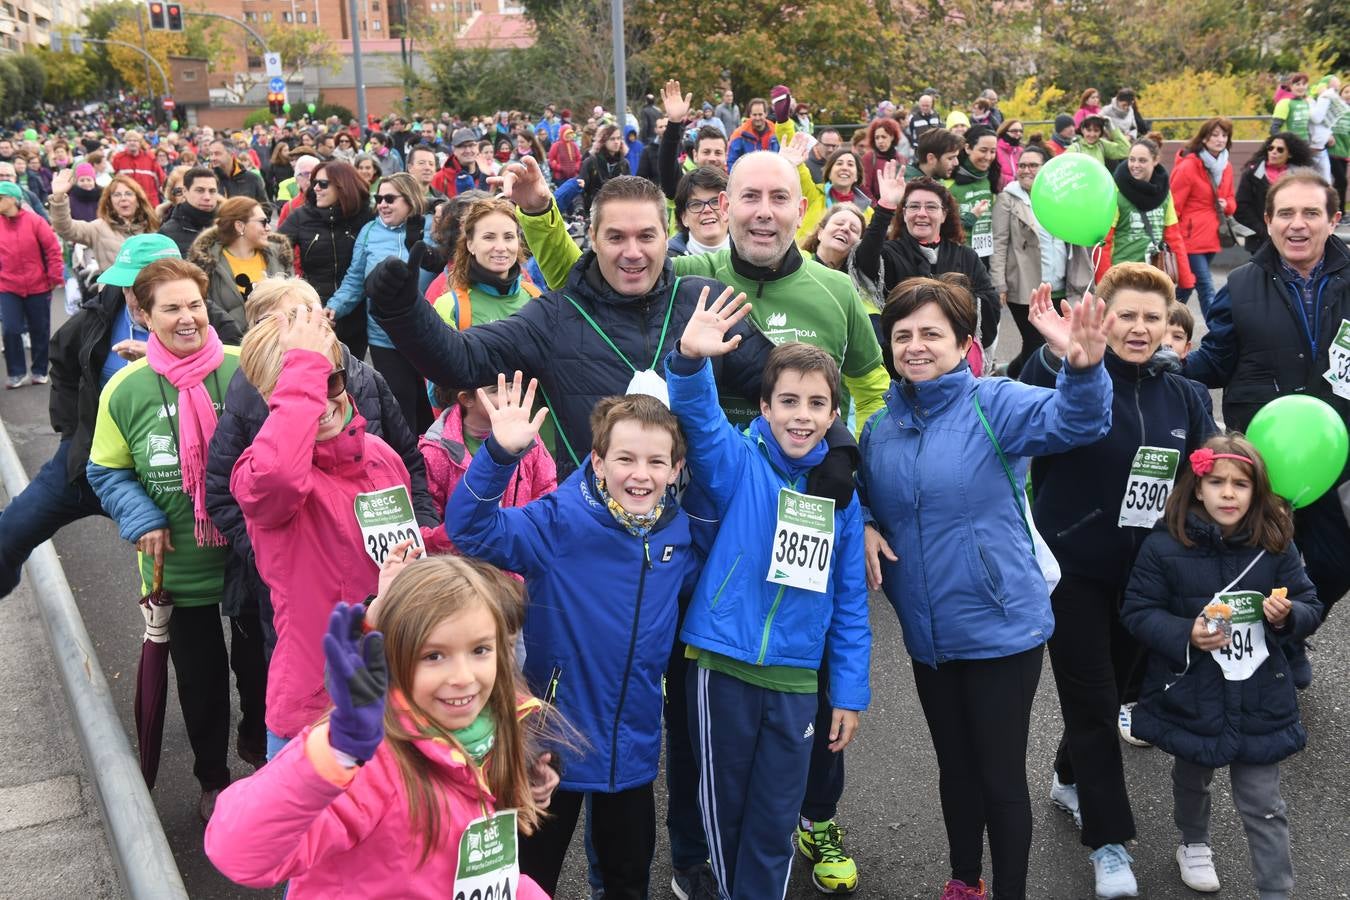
(1124, 723)
(1065, 796)
(1196, 862)
(1115, 878)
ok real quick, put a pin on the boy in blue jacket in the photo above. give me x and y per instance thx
(604, 558)
(783, 582)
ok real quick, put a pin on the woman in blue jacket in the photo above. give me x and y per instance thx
(948, 541)
(398, 226)
(1095, 505)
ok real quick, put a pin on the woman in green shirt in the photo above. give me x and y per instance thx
(147, 464)
(1146, 217)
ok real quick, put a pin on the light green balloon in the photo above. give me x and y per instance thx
(311, 107)
(285, 107)
(1074, 198)
(1304, 444)
(173, 124)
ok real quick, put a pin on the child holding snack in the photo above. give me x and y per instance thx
(1216, 584)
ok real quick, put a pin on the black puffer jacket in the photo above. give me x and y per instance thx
(78, 350)
(1198, 716)
(184, 223)
(245, 412)
(324, 239)
(550, 340)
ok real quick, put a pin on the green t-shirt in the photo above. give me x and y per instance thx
(1294, 113)
(785, 679)
(979, 229)
(135, 431)
(1138, 233)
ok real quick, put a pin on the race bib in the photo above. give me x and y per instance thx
(1247, 648)
(386, 519)
(1151, 476)
(488, 868)
(650, 383)
(982, 244)
(1338, 373)
(803, 541)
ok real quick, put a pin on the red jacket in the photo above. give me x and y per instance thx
(297, 496)
(563, 162)
(1193, 194)
(143, 168)
(30, 255)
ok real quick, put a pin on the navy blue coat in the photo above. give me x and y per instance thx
(1201, 717)
(1077, 494)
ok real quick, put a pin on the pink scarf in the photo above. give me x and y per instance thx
(196, 420)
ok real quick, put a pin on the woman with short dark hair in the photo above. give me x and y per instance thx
(1280, 153)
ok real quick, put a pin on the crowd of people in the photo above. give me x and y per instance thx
(515, 452)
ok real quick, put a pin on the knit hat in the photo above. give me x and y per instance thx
(1062, 121)
(84, 170)
(956, 117)
(780, 98)
(10, 189)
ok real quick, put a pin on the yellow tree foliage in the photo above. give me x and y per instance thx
(130, 64)
(1205, 94)
(1032, 103)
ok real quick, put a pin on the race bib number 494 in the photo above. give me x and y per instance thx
(803, 541)
(488, 867)
(1151, 476)
(1246, 649)
(386, 519)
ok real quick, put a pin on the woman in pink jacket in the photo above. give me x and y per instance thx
(398, 799)
(1202, 188)
(30, 267)
(324, 501)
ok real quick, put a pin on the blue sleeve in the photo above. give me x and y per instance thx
(1213, 362)
(850, 636)
(733, 152)
(519, 538)
(1032, 421)
(125, 501)
(353, 286)
(717, 451)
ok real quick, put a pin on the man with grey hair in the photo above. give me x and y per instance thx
(995, 114)
(304, 167)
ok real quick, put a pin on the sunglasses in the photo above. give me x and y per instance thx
(390, 199)
(337, 383)
(321, 183)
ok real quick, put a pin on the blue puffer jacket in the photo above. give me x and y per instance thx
(1078, 493)
(600, 622)
(376, 242)
(735, 610)
(967, 585)
(1186, 707)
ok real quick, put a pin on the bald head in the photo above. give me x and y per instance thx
(765, 206)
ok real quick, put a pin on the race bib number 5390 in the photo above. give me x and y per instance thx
(1151, 475)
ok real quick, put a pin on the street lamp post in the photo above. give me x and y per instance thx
(356, 64)
(620, 73)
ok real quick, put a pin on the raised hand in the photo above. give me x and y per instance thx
(1053, 327)
(891, 185)
(523, 183)
(403, 555)
(705, 334)
(512, 425)
(308, 329)
(357, 678)
(1089, 326)
(62, 181)
(676, 105)
(795, 151)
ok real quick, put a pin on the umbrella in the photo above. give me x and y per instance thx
(152, 675)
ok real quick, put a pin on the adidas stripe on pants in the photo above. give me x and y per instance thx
(754, 748)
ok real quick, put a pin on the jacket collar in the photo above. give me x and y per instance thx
(1118, 368)
(191, 216)
(1205, 532)
(590, 497)
(1335, 257)
(343, 453)
(911, 402)
(448, 432)
(790, 263)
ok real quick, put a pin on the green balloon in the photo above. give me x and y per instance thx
(1304, 444)
(1074, 198)
(174, 124)
(311, 107)
(285, 107)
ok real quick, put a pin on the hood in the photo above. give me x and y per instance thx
(206, 250)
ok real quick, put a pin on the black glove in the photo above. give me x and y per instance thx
(392, 286)
(833, 477)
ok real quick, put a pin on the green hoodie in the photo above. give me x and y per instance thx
(970, 188)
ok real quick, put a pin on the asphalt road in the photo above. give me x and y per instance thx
(890, 807)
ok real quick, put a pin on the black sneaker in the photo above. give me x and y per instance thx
(695, 883)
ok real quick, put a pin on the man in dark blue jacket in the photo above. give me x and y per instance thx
(1271, 332)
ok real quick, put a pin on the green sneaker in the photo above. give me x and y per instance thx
(832, 870)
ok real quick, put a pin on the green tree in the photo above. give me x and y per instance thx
(32, 80)
(69, 76)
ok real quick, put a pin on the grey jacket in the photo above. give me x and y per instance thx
(1016, 266)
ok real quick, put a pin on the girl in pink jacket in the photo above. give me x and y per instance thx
(401, 799)
(450, 444)
(324, 501)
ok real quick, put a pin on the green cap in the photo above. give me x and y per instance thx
(10, 189)
(138, 252)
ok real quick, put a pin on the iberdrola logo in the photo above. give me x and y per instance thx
(776, 320)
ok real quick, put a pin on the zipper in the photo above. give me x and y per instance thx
(628, 666)
(768, 624)
(723, 586)
(551, 691)
(1139, 408)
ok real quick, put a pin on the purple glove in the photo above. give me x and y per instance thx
(357, 678)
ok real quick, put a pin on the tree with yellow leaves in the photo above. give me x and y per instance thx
(130, 65)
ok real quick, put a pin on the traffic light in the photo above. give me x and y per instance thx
(174, 16)
(276, 103)
(156, 15)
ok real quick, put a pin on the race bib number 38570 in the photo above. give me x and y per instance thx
(488, 868)
(386, 519)
(803, 541)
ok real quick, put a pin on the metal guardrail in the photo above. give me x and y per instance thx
(145, 864)
(847, 128)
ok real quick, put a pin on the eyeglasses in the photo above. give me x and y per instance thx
(1014, 131)
(337, 383)
(1028, 166)
(390, 199)
(124, 195)
(829, 148)
(930, 208)
(321, 183)
(698, 206)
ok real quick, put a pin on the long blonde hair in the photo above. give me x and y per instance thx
(422, 597)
